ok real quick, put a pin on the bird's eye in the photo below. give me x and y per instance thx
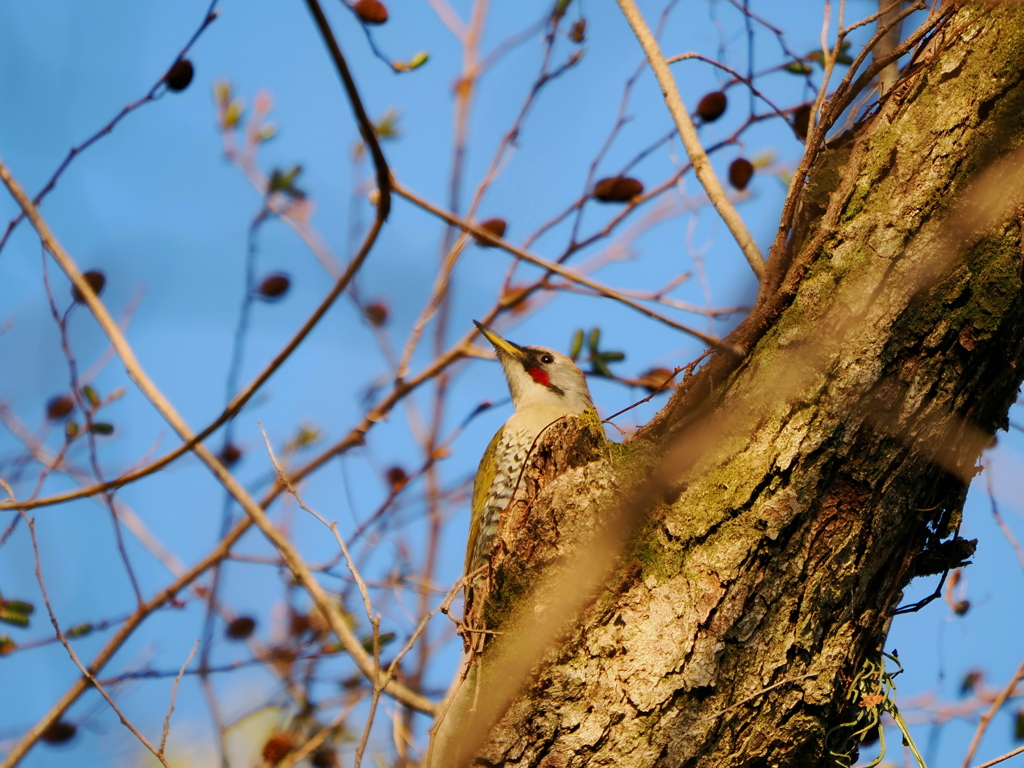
(547, 359)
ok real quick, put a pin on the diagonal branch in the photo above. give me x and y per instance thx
(573, 277)
(688, 134)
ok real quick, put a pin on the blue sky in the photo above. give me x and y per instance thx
(159, 210)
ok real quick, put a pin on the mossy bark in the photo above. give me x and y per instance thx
(780, 503)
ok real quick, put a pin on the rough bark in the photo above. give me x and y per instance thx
(778, 506)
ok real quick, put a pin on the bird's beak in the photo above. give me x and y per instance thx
(503, 346)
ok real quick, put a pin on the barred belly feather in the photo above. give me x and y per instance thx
(509, 457)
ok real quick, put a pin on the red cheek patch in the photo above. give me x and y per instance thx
(540, 376)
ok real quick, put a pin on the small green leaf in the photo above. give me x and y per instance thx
(798, 68)
(80, 630)
(6, 645)
(613, 357)
(594, 340)
(306, 436)
(267, 131)
(71, 430)
(970, 681)
(15, 612)
(284, 182)
(559, 10)
(601, 368)
(222, 91)
(819, 56)
(101, 428)
(415, 62)
(383, 639)
(418, 60)
(233, 113)
(20, 606)
(1018, 725)
(577, 344)
(90, 396)
(387, 126)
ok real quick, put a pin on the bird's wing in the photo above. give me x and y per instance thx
(481, 485)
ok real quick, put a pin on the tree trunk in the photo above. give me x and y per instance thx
(722, 579)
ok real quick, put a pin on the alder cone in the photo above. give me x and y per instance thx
(741, 171)
(59, 406)
(277, 747)
(179, 76)
(656, 379)
(274, 286)
(230, 454)
(516, 298)
(376, 314)
(617, 189)
(712, 106)
(240, 628)
(95, 279)
(578, 31)
(495, 227)
(59, 732)
(397, 478)
(802, 121)
(324, 758)
(371, 11)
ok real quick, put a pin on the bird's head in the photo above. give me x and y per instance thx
(540, 376)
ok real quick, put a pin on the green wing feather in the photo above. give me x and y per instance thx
(481, 485)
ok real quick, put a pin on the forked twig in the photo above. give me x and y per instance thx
(158, 754)
(174, 695)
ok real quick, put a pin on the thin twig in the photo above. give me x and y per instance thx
(153, 94)
(999, 518)
(174, 695)
(763, 691)
(367, 605)
(659, 388)
(1001, 758)
(31, 523)
(88, 410)
(737, 78)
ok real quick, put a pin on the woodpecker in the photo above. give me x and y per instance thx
(545, 386)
